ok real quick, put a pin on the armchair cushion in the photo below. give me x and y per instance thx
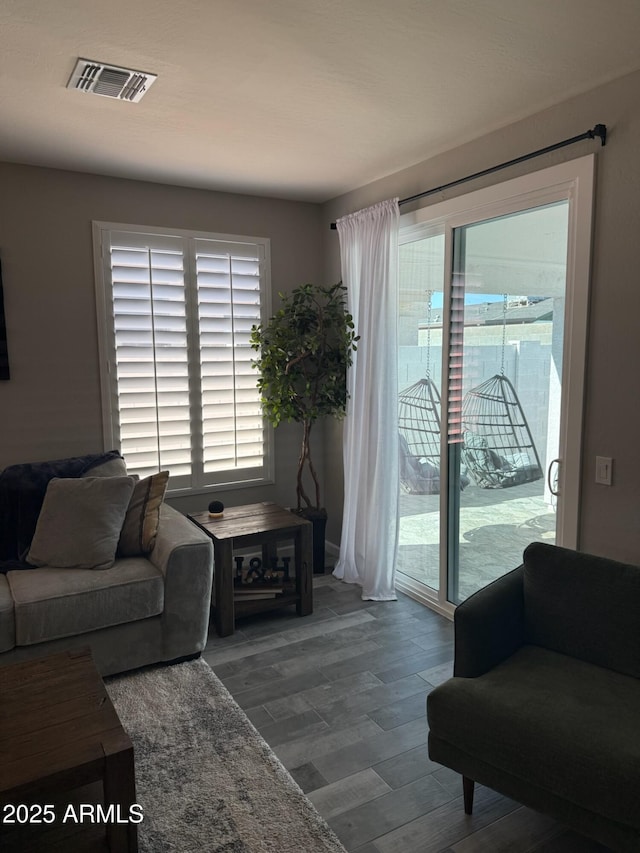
(582, 605)
(539, 716)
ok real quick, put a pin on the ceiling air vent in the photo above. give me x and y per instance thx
(110, 80)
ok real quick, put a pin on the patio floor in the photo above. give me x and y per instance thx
(495, 527)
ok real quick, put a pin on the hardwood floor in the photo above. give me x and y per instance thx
(340, 697)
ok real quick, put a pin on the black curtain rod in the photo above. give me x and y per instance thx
(600, 131)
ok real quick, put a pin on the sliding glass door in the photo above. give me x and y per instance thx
(492, 325)
(419, 406)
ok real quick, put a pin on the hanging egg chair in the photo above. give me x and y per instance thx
(498, 446)
(419, 427)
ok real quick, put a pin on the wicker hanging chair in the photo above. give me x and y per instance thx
(498, 447)
(419, 427)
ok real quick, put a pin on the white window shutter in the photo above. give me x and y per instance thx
(229, 304)
(151, 358)
(182, 394)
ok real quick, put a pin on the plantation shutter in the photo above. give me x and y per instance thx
(151, 353)
(175, 318)
(229, 304)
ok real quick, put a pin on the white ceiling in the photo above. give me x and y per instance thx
(302, 99)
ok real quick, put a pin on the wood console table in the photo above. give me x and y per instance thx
(263, 524)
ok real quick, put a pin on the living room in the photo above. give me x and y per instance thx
(52, 404)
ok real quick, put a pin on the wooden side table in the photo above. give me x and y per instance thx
(58, 732)
(263, 524)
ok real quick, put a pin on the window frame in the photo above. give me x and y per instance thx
(201, 483)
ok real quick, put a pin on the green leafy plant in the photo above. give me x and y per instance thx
(305, 350)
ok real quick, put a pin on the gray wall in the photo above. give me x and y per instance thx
(609, 522)
(51, 408)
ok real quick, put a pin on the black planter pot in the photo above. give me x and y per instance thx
(318, 518)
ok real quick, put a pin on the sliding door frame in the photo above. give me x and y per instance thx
(572, 181)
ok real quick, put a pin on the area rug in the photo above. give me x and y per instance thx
(205, 778)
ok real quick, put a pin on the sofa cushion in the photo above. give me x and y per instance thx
(7, 621)
(80, 522)
(140, 528)
(561, 724)
(52, 603)
(583, 606)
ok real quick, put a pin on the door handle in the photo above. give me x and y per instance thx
(554, 492)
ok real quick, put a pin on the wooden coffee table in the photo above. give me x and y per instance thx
(262, 524)
(59, 732)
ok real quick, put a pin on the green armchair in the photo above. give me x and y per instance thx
(544, 705)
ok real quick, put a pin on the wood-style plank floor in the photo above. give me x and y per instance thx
(340, 697)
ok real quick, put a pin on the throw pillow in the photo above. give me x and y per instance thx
(111, 468)
(141, 522)
(80, 522)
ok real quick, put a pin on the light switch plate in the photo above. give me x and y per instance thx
(604, 470)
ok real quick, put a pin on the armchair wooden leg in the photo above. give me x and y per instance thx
(467, 792)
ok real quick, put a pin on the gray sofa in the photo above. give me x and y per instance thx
(141, 610)
(545, 700)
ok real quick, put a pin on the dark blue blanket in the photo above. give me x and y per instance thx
(22, 491)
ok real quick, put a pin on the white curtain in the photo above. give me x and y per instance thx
(369, 260)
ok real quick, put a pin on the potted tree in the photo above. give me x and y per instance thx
(304, 352)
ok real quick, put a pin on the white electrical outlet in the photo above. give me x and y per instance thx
(604, 470)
